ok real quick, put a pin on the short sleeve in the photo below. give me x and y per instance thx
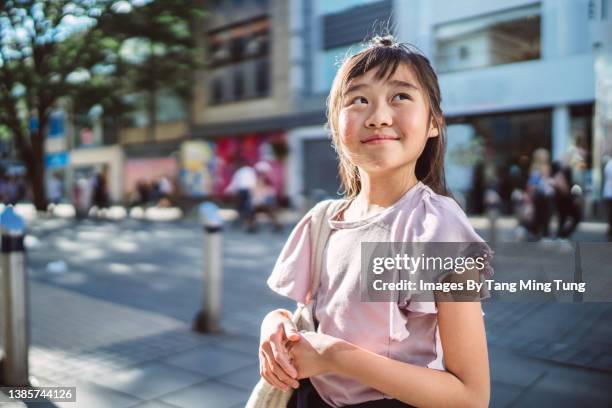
(443, 221)
(291, 274)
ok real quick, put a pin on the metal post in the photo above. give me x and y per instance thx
(15, 331)
(578, 296)
(207, 320)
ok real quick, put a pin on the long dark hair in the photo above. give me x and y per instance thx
(387, 54)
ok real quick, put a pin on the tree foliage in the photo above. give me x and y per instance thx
(90, 52)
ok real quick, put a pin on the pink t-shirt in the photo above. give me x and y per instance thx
(406, 332)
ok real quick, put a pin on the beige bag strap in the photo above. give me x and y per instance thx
(319, 234)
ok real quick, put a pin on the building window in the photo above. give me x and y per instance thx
(238, 49)
(236, 44)
(238, 84)
(490, 40)
(262, 78)
(216, 91)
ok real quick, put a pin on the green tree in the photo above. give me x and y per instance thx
(159, 51)
(48, 50)
(91, 52)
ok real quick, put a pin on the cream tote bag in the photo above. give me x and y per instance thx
(264, 395)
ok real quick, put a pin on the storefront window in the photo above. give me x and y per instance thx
(494, 151)
(495, 39)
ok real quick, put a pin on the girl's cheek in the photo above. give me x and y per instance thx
(346, 126)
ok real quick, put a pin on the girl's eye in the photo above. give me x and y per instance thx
(360, 100)
(401, 97)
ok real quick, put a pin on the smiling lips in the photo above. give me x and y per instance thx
(378, 138)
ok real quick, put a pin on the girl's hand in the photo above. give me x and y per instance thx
(277, 330)
(312, 353)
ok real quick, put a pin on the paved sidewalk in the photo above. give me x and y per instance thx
(117, 322)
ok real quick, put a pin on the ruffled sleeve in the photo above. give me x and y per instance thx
(445, 221)
(291, 274)
(439, 219)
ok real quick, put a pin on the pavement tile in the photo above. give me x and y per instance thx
(245, 377)
(566, 387)
(502, 394)
(241, 343)
(604, 362)
(90, 395)
(155, 404)
(211, 361)
(209, 394)
(6, 402)
(513, 369)
(150, 380)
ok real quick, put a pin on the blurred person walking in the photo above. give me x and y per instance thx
(81, 197)
(165, 192)
(100, 192)
(263, 198)
(607, 193)
(567, 205)
(55, 189)
(11, 190)
(242, 184)
(540, 192)
(143, 193)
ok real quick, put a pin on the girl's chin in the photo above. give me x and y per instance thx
(380, 168)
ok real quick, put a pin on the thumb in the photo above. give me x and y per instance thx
(291, 332)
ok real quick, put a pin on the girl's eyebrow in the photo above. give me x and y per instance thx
(397, 82)
(355, 87)
(393, 82)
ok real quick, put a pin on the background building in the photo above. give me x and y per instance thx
(515, 75)
(241, 109)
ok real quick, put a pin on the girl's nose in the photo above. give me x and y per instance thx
(380, 117)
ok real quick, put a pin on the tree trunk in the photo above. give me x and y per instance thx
(36, 167)
(36, 172)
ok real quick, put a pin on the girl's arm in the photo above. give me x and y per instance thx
(464, 384)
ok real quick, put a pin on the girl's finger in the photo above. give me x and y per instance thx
(281, 356)
(271, 379)
(291, 332)
(279, 373)
(267, 374)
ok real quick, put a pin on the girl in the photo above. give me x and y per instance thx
(388, 129)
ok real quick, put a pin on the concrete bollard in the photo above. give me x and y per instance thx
(14, 282)
(207, 320)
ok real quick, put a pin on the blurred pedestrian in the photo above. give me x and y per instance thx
(477, 204)
(12, 190)
(165, 192)
(567, 205)
(81, 196)
(607, 193)
(242, 184)
(541, 192)
(263, 198)
(143, 193)
(100, 192)
(55, 189)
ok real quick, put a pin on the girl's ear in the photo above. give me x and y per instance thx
(434, 131)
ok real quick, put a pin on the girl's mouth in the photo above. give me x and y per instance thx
(377, 139)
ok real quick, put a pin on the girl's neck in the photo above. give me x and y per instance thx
(380, 191)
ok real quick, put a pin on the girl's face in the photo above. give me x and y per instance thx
(384, 123)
